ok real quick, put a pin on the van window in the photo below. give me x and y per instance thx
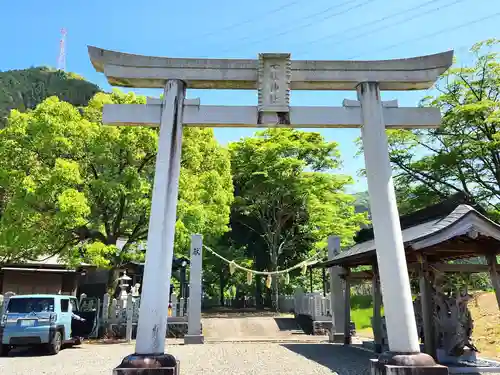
(30, 304)
(64, 305)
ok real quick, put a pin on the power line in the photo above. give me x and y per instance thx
(249, 20)
(401, 21)
(304, 18)
(433, 34)
(307, 24)
(341, 33)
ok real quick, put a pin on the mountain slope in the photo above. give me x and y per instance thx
(24, 89)
(362, 202)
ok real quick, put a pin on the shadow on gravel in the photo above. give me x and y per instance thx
(287, 324)
(343, 360)
(34, 351)
(105, 341)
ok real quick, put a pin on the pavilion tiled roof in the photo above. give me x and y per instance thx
(435, 221)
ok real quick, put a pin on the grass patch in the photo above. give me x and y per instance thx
(361, 318)
(362, 312)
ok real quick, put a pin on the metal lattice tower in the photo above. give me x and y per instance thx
(61, 62)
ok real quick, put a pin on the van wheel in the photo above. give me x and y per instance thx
(4, 350)
(55, 345)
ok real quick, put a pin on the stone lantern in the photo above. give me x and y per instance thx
(123, 284)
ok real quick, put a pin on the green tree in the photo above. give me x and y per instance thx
(218, 280)
(463, 155)
(285, 196)
(73, 186)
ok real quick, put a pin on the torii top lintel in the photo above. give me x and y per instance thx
(129, 70)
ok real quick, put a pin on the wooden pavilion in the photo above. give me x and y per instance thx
(437, 240)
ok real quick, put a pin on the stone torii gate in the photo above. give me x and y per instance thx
(274, 75)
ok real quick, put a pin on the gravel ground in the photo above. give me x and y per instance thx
(220, 358)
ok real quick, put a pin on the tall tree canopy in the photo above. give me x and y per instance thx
(286, 198)
(463, 155)
(73, 186)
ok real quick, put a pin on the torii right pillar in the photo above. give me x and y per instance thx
(404, 356)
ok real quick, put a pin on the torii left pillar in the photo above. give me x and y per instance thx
(150, 356)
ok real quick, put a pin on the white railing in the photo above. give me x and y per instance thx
(125, 311)
(118, 310)
(243, 302)
(314, 305)
(286, 303)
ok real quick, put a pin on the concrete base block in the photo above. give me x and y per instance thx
(177, 327)
(443, 357)
(336, 337)
(139, 364)
(193, 339)
(381, 367)
(321, 327)
(146, 371)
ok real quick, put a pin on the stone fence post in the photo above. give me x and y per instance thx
(195, 335)
(130, 316)
(336, 293)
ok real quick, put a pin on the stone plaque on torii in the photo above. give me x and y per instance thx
(273, 75)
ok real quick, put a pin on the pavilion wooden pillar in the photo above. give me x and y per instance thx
(377, 304)
(69, 283)
(347, 307)
(495, 278)
(311, 280)
(323, 275)
(427, 307)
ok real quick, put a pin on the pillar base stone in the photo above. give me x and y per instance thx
(193, 339)
(390, 363)
(148, 364)
(336, 337)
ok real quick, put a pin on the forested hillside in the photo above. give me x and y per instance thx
(25, 88)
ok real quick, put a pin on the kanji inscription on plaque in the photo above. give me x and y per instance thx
(274, 82)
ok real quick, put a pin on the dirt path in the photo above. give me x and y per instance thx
(486, 316)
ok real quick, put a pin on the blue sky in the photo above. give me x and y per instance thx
(313, 29)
